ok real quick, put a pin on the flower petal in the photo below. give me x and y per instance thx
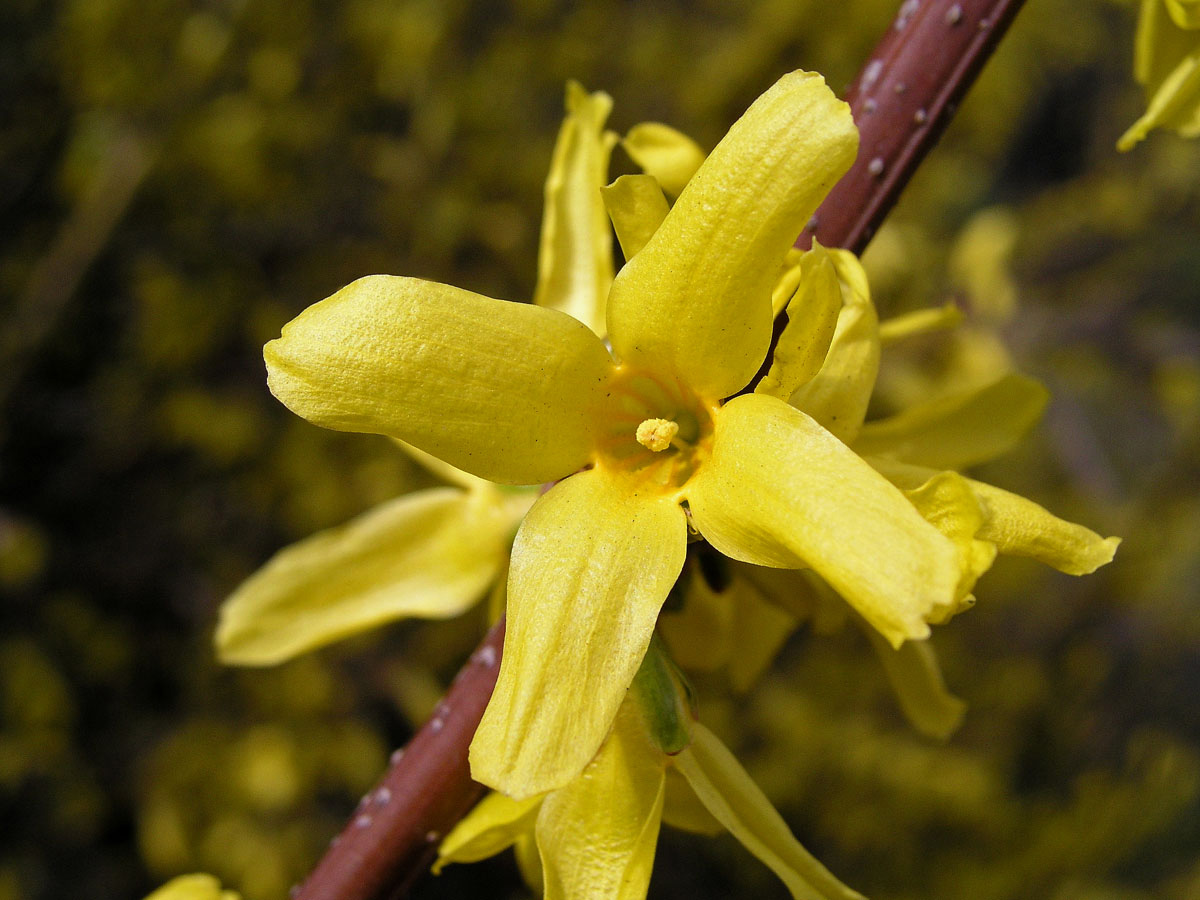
(919, 322)
(431, 554)
(591, 565)
(696, 300)
(737, 803)
(1018, 526)
(636, 205)
(664, 153)
(193, 887)
(947, 502)
(781, 491)
(494, 825)
(837, 396)
(812, 317)
(961, 429)
(597, 835)
(575, 264)
(916, 677)
(760, 629)
(502, 390)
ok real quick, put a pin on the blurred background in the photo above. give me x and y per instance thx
(177, 180)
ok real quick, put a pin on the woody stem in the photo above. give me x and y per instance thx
(902, 100)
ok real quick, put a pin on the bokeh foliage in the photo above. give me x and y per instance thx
(178, 180)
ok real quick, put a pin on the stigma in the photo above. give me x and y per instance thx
(657, 434)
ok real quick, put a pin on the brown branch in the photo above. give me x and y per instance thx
(902, 101)
(391, 839)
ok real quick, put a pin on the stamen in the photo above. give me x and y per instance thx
(656, 434)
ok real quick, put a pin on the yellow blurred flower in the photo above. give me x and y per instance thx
(193, 887)
(1167, 63)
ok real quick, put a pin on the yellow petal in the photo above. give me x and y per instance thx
(636, 205)
(1018, 526)
(699, 634)
(575, 265)
(667, 155)
(1175, 104)
(837, 396)
(947, 502)
(919, 322)
(431, 555)
(682, 809)
(958, 430)
(737, 803)
(812, 316)
(696, 301)
(502, 390)
(597, 835)
(529, 862)
(442, 470)
(916, 678)
(1184, 13)
(193, 887)
(591, 565)
(760, 629)
(781, 491)
(494, 825)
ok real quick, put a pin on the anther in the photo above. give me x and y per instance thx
(657, 434)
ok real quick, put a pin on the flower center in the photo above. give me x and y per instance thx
(655, 430)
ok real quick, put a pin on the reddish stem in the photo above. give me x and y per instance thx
(902, 100)
(392, 837)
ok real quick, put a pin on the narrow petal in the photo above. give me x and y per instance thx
(1018, 526)
(431, 555)
(781, 491)
(682, 809)
(837, 396)
(1175, 103)
(737, 803)
(699, 634)
(1184, 13)
(696, 301)
(961, 429)
(502, 390)
(947, 502)
(812, 316)
(597, 835)
(916, 678)
(575, 264)
(636, 205)
(442, 470)
(494, 825)
(591, 565)
(664, 153)
(760, 629)
(919, 322)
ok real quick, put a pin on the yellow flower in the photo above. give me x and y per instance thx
(594, 838)
(644, 442)
(193, 887)
(521, 394)
(1167, 63)
(432, 554)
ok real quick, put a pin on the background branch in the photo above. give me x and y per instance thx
(902, 100)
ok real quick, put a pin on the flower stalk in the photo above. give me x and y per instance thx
(902, 100)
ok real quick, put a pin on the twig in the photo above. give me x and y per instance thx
(902, 101)
(390, 840)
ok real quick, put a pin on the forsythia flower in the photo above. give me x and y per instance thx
(432, 554)
(1167, 63)
(595, 837)
(193, 887)
(645, 444)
